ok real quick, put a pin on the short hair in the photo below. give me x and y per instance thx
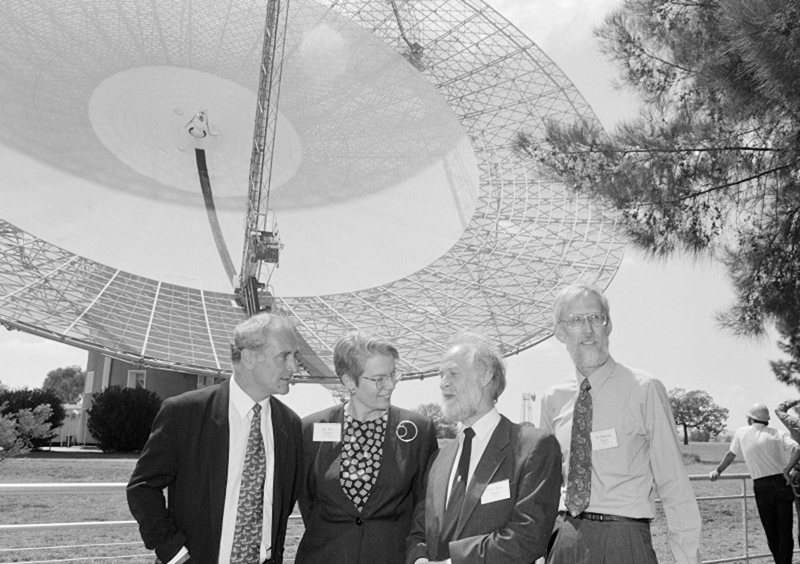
(485, 357)
(354, 348)
(572, 292)
(254, 332)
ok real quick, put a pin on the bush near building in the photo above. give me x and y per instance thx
(120, 418)
(17, 400)
(18, 430)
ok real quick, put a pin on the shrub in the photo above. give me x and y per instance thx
(699, 436)
(120, 418)
(17, 400)
(18, 430)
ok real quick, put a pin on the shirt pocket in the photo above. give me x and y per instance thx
(632, 452)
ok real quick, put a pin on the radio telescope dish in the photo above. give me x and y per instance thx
(401, 205)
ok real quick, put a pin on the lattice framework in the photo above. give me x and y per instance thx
(526, 237)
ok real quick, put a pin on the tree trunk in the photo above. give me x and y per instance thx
(685, 434)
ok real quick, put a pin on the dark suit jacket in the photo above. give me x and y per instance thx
(187, 452)
(336, 533)
(515, 530)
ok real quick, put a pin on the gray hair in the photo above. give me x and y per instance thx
(568, 294)
(485, 357)
(254, 332)
(354, 348)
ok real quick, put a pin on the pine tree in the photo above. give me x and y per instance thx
(710, 164)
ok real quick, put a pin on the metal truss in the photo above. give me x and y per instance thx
(269, 88)
(527, 237)
(53, 293)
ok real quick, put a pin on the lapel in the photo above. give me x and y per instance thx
(280, 440)
(441, 481)
(494, 455)
(329, 452)
(389, 470)
(329, 456)
(217, 444)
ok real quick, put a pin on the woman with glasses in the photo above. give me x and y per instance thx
(364, 462)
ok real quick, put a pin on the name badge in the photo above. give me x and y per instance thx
(607, 438)
(327, 432)
(496, 492)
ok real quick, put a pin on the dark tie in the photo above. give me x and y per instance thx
(456, 499)
(249, 515)
(579, 480)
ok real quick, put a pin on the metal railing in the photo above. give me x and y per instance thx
(750, 534)
(749, 518)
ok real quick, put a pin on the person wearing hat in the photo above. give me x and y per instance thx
(769, 454)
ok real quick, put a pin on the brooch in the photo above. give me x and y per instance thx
(406, 431)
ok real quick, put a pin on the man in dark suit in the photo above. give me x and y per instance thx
(492, 495)
(229, 455)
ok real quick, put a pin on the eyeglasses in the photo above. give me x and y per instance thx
(382, 380)
(594, 319)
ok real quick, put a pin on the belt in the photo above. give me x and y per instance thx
(605, 517)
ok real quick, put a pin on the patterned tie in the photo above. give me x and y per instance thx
(579, 481)
(456, 499)
(249, 515)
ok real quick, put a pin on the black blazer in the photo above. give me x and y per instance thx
(187, 452)
(501, 529)
(336, 533)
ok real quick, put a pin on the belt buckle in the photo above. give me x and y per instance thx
(589, 516)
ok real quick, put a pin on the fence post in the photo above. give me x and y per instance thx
(744, 521)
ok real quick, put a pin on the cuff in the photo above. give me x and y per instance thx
(182, 556)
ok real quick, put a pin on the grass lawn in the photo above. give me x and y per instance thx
(122, 543)
(46, 467)
(722, 520)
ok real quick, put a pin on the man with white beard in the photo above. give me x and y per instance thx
(619, 448)
(492, 494)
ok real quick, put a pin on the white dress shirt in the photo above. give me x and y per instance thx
(641, 459)
(766, 451)
(483, 427)
(240, 415)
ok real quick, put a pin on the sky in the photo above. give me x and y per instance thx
(662, 312)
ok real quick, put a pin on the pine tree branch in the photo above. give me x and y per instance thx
(655, 151)
(720, 187)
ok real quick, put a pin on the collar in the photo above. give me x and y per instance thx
(484, 426)
(599, 376)
(243, 403)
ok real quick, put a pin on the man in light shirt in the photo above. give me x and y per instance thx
(770, 455)
(626, 437)
(230, 456)
(492, 494)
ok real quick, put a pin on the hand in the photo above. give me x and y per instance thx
(713, 475)
(787, 473)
